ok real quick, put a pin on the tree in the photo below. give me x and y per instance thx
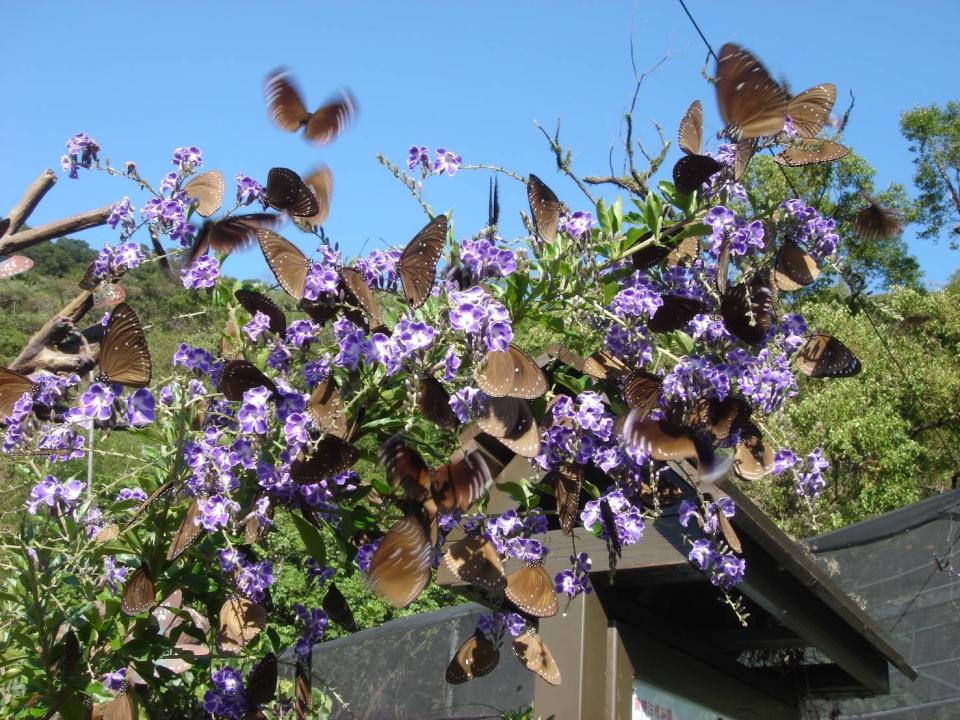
(934, 135)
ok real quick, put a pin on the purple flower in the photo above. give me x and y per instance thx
(365, 556)
(81, 152)
(784, 460)
(446, 160)
(258, 327)
(451, 363)
(113, 681)
(201, 273)
(418, 155)
(318, 573)
(703, 555)
(227, 699)
(122, 214)
(215, 512)
(688, 511)
(577, 223)
(97, 402)
(187, 158)
(315, 624)
(131, 494)
(229, 560)
(169, 182)
(322, 279)
(253, 411)
(301, 333)
(316, 371)
(484, 259)
(728, 571)
(43, 493)
(466, 403)
(255, 579)
(248, 189)
(114, 576)
(140, 408)
(192, 358)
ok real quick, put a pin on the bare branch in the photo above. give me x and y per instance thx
(81, 221)
(31, 198)
(38, 356)
(161, 254)
(564, 159)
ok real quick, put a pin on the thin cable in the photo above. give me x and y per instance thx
(699, 31)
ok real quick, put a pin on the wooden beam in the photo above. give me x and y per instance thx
(756, 638)
(618, 703)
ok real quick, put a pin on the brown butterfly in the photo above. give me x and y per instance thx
(289, 265)
(124, 355)
(187, 533)
(401, 565)
(286, 191)
(229, 234)
(499, 416)
(810, 109)
(122, 707)
(723, 267)
(261, 685)
(108, 296)
(254, 302)
(604, 366)
(690, 134)
(289, 113)
(14, 386)
(457, 484)
(207, 190)
(544, 208)
(811, 152)
(753, 458)
(823, 355)
(531, 589)
(675, 313)
(238, 376)
(691, 171)
(751, 102)
(331, 456)
(726, 529)
(434, 403)
(524, 438)
(794, 268)
(14, 265)
(231, 342)
(641, 391)
(241, 620)
(335, 605)
(511, 372)
(359, 294)
(474, 560)
(326, 408)
(254, 529)
(874, 221)
(664, 441)
(567, 480)
(742, 156)
(321, 182)
(747, 310)
(719, 417)
(533, 652)
(139, 593)
(610, 525)
(477, 657)
(303, 690)
(417, 265)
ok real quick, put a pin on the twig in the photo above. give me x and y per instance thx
(37, 355)
(564, 159)
(31, 198)
(81, 221)
(408, 181)
(494, 168)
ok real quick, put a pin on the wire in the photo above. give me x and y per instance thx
(702, 36)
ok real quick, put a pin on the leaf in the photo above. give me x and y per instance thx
(312, 539)
(618, 212)
(577, 385)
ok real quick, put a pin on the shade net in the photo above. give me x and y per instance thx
(903, 568)
(396, 672)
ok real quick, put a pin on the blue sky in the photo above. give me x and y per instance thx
(472, 77)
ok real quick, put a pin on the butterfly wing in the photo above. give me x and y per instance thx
(524, 438)
(477, 657)
(753, 458)
(692, 171)
(810, 109)
(823, 355)
(641, 391)
(238, 376)
(460, 485)
(13, 386)
(254, 302)
(434, 403)
(14, 265)
(326, 408)
(284, 101)
(328, 121)
(335, 605)
(139, 593)
(207, 190)
(330, 457)
(533, 652)
(261, 685)
(187, 533)
(690, 134)
(287, 191)
(604, 366)
(124, 354)
(361, 295)
(474, 560)
(122, 707)
(609, 521)
(531, 589)
(544, 208)
(288, 264)
(675, 313)
(417, 265)
(241, 620)
(874, 221)
(303, 690)
(747, 310)
(751, 102)
(321, 182)
(400, 567)
(511, 372)
(794, 268)
(811, 152)
(567, 481)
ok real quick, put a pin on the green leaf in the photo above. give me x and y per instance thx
(312, 539)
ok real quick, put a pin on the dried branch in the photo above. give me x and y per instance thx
(564, 159)
(37, 355)
(31, 198)
(81, 221)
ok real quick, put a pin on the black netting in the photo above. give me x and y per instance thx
(396, 671)
(903, 569)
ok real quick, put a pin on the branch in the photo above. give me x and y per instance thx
(161, 253)
(938, 161)
(31, 198)
(37, 356)
(81, 221)
(563, 159)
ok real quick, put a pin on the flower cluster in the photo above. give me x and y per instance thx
(122, 214)
(81, 153)
(577, 223)
(253, 578)
(575, 580)
(722, 184)
(808, 228)
(113, 262)
(228, 697)
(445, 160)
(58, 497)
(315, 624)
(484, 259)
(379, 268)
(493, 625)
(627, 517)
(201, 273)
(810, 480)
(248, 189)
(742, 237)
(478, 315)
(725, 569)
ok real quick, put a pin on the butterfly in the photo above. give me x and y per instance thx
(321, 182)
(286, 191)
(14, 386)
(511, 372)
(664, 440)
(458, 484)
(241, 620)
(400, 566)
(794, 268)
(289, 265)
(810, 109)
(289, 112)
(124, 355)
(325, 406)
(823, 355)
(499, 416)
(303, 690)
(122, 707)
(752, 458)
(751, 102)
(254, 302)
(229, 234)
(14, 265)
(747, 310)
(434, 403)
(417, 265)
(524, 437)
(694, 169)
(261, 685)
(533, 652)
(138, 593)
(187, 533)
(544, 208)
(255, 529)
(874, 221)
(719, 417)
(609, 521)
(531, 589)
(567, 479)
(477, 657)
(207, 190)
(332, 455)
(108, 296)
(604, 366)
(475, 561)
(335, 605)
(493, 204)
(811, 152)
(359, 294)
(641, 391)
(238, 376)
(675, 313)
